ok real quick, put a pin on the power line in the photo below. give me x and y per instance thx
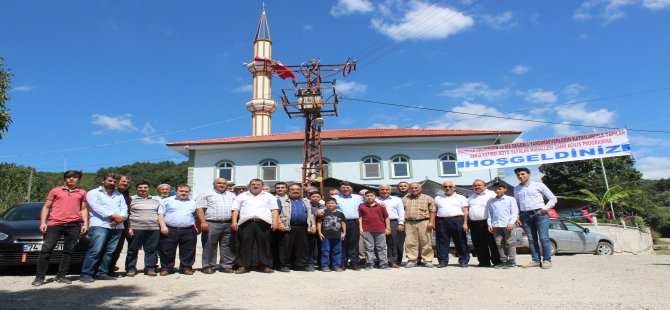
(79, 148)
(497, 116)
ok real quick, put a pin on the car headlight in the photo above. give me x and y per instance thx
(3, 236)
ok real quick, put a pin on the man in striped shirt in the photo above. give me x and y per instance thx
(214, 211)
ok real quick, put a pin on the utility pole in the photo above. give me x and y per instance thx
(30, 184)
(313, 102)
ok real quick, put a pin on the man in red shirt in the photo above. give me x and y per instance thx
(68, 218)
(374, 225)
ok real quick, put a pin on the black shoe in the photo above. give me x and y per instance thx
(499, 266)
(284, 269)
(104, 277)
(484, 266)
(354, 267)
(207, 270)
(39, 280)
(63, 280)
(463, 265)
(309, 268)
(442, 265)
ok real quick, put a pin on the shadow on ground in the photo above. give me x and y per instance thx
(107, 297)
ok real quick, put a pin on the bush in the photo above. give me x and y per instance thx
(655, 236)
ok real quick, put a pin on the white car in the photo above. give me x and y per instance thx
(570, 238)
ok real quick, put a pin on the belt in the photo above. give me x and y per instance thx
(450, 217)
(180, 228)
(476, 221)
(410, 220)
(301, 224)
(531, 211)
(255, 219)
(219, 222)
(394, 220)
(351, 220)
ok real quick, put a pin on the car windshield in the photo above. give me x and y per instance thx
(23, 213)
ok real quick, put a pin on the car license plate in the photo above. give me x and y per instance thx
(38, 247)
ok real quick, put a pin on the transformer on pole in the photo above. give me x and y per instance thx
(313, 102)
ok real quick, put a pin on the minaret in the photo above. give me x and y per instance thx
(261, 104)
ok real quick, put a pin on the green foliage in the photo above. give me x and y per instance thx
(5, 81)
(569, 177)
(154, 173)
(617, 195)
(14, 185)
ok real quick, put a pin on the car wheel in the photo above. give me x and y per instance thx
(604, 248)
(553, 248)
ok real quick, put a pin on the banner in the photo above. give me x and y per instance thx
(589, 146)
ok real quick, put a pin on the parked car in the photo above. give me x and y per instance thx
(21, 239)
(570, 238)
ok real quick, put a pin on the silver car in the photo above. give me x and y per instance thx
(570, 238)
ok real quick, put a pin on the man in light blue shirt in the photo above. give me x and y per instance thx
(348, 203)
(533, 215)
(176, 218)
(502, 213)
(108, 210)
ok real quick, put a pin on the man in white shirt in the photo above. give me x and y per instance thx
(395, 242)
(255, 215)
(533, 215)
(452, 209)
(482, 239)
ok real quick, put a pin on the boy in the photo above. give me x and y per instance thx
(374, 225)
(66, 209)
(332, 230)
(502, 212)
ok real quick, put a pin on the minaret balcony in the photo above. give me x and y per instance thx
(261, 66)
(257, 105)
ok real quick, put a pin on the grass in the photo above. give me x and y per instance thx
(663, 252)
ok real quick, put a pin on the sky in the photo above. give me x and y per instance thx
(108, 83)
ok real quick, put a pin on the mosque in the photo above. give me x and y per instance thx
(359, 155)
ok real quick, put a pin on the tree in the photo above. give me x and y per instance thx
(570, 177)
(5, 80)
(615, 195)
(14, 185)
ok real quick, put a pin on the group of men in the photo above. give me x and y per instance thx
(256, 229)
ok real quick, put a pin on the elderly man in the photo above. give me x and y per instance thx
(482, 239)
(143, 231)
(348, 203)
(164, 190)
(65, 209)
(176, 217)
(296, 222)
(395, 242)
(452, 210)
(108, 211)
(533, 215)
(214, 212)
(419, 224)
(258, 215)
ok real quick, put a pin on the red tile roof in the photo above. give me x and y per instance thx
(366, 133)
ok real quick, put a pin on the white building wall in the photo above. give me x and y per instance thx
(345, 162)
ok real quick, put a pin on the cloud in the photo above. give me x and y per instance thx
(122, 123)
(656, 4)
(612, 10)
(351, 88)
(654, 168)
(348, 7)
(460, 121)
(649, 141)
(385, 126)
(538, 95)
(243, 89)
(573, 90)
(422, 21)
(499, 22)
(565, 130)
(579, 113)
(148, 131)
(23, 88)
(307, 27)
(520, 69)
(472, 90)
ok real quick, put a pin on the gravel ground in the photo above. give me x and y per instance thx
(575, 282)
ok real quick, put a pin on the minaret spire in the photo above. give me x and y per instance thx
(261, 104)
